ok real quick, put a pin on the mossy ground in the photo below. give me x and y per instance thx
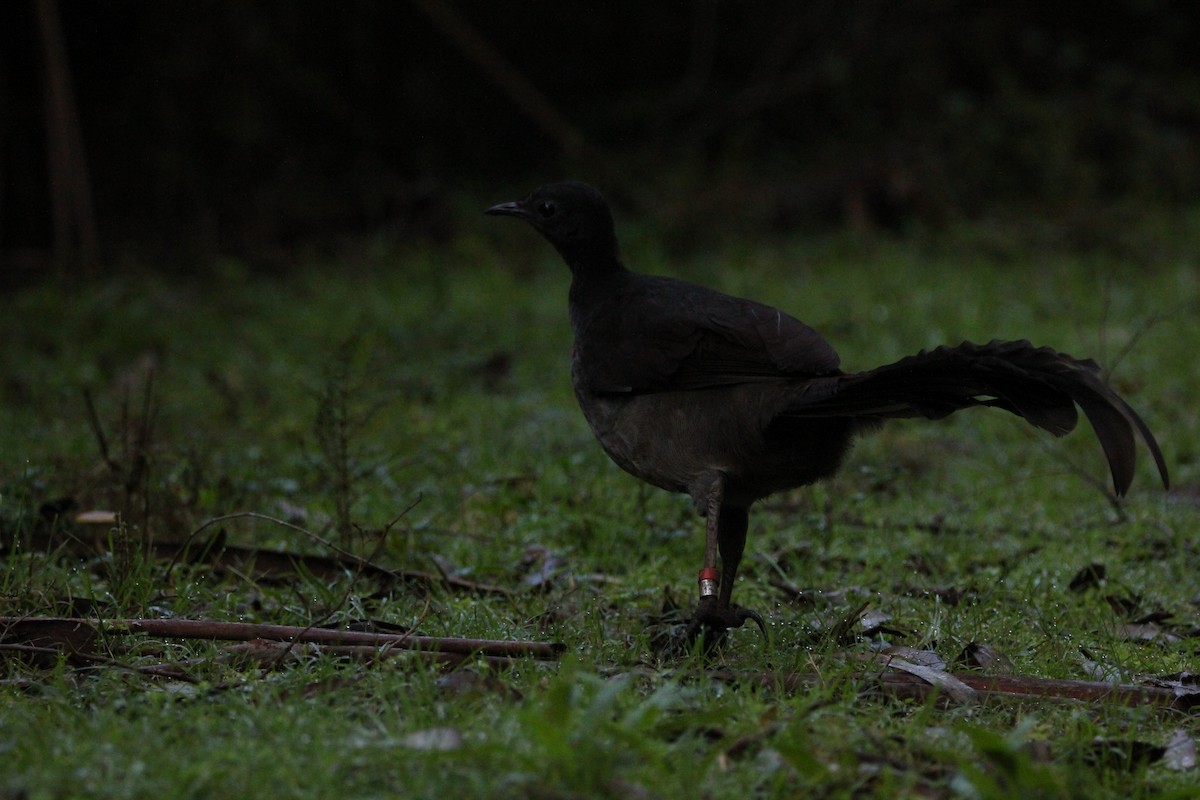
(415, 407)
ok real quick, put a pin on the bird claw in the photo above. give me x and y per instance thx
(711, 617)
(746, 613)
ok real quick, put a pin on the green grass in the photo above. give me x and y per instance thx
(446, 372)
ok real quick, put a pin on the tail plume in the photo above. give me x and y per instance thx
(1039, 384)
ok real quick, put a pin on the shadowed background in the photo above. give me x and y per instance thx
(170, 133)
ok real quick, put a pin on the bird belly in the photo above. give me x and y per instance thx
(681, 441)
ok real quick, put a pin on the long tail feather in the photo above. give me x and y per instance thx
(1036, 383)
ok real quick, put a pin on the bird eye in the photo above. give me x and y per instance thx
(546, 209)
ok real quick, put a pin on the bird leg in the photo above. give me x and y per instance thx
(731, 538)
(725, 532)
(709, 577)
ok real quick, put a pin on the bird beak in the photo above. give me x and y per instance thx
(513, 209)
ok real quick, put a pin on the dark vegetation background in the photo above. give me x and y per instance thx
(172, 132)
(169, 133)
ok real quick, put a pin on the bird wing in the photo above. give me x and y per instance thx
(662, 334)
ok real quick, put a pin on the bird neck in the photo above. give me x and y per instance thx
(592, 264)
(594, 283)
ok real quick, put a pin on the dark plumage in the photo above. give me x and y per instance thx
(730, 400)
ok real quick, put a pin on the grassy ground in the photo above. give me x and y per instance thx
(415, 408)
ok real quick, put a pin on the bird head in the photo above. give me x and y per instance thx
(573, 217)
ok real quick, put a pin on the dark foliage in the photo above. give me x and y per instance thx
(241, 126)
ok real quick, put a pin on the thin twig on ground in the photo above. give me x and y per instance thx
(987, 688)
(243, 631)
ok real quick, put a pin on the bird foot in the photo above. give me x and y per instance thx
(713, 618)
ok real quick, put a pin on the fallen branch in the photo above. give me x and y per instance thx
(37, 629)
(78, 637)
(987, 688)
